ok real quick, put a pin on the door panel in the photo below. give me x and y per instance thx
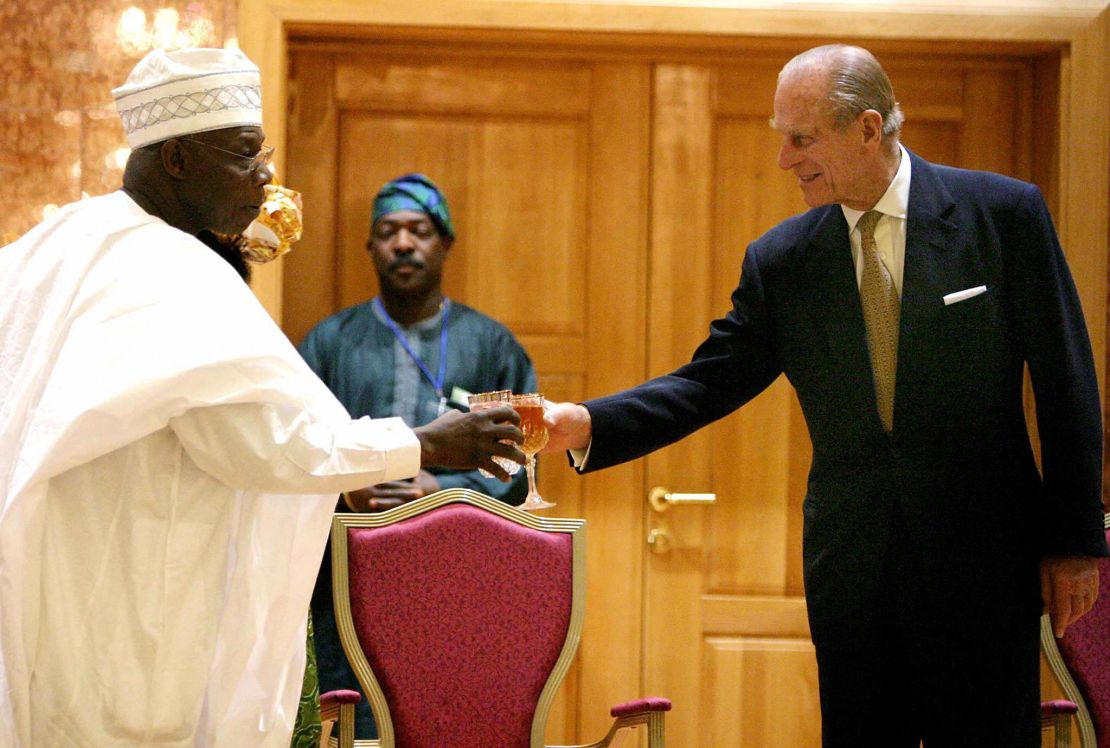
(749, 682)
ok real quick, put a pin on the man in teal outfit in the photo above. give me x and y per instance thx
(410, 352)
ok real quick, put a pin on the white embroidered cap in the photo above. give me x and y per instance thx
(185, 91)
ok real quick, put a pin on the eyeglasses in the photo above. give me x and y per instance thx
(258, 161)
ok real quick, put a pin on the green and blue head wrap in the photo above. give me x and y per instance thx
(414, 192)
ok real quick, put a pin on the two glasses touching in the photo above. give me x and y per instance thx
(530, 409)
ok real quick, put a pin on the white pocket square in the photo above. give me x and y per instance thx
(958, 296)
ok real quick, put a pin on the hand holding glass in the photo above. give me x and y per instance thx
(482, 401)
(530, 409)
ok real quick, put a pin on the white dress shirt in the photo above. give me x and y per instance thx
(890, 231)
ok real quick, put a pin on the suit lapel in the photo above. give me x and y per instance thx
(930, 271)
(927, 274)
(836, 310)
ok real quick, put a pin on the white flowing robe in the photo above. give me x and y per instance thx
(168, 470)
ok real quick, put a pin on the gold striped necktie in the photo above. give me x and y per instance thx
(881, 310)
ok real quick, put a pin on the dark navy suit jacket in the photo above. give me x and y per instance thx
(958, 465)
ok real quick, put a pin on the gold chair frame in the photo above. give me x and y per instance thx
(576, 528)
(1061, 733)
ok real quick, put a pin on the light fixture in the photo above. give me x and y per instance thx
(136, 36)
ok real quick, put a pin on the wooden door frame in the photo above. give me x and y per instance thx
(1079, 30)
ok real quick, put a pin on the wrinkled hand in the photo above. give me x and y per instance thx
(470, 440)
(568, 426)
(1069, 588)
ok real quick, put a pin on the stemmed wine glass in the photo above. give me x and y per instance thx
(530, 409)
(482, 401)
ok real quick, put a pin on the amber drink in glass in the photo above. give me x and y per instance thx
(530, 409)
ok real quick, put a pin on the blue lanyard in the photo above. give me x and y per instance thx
(437, 381)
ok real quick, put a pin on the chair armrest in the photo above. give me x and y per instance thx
(649, 704)
(1058, 706)
(645, 714)
(330, 702)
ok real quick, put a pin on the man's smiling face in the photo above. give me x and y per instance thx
(829, 161)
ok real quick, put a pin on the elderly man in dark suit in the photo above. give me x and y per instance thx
(904, 307)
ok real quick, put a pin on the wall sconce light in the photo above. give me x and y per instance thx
(137, 36)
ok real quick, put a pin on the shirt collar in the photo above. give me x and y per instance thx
(895, 201)
(421, 327)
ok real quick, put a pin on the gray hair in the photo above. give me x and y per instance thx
(857, 82)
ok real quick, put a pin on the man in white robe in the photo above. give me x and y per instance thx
(168, 463)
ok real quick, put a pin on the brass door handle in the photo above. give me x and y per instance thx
(660, 499)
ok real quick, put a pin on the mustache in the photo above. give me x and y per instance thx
(402, 262)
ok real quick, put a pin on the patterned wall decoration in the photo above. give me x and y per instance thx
(60, 137)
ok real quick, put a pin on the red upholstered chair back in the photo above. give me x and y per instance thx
(463, 617)
(1085, 651)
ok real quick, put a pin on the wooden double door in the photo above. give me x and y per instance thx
(603, 192)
